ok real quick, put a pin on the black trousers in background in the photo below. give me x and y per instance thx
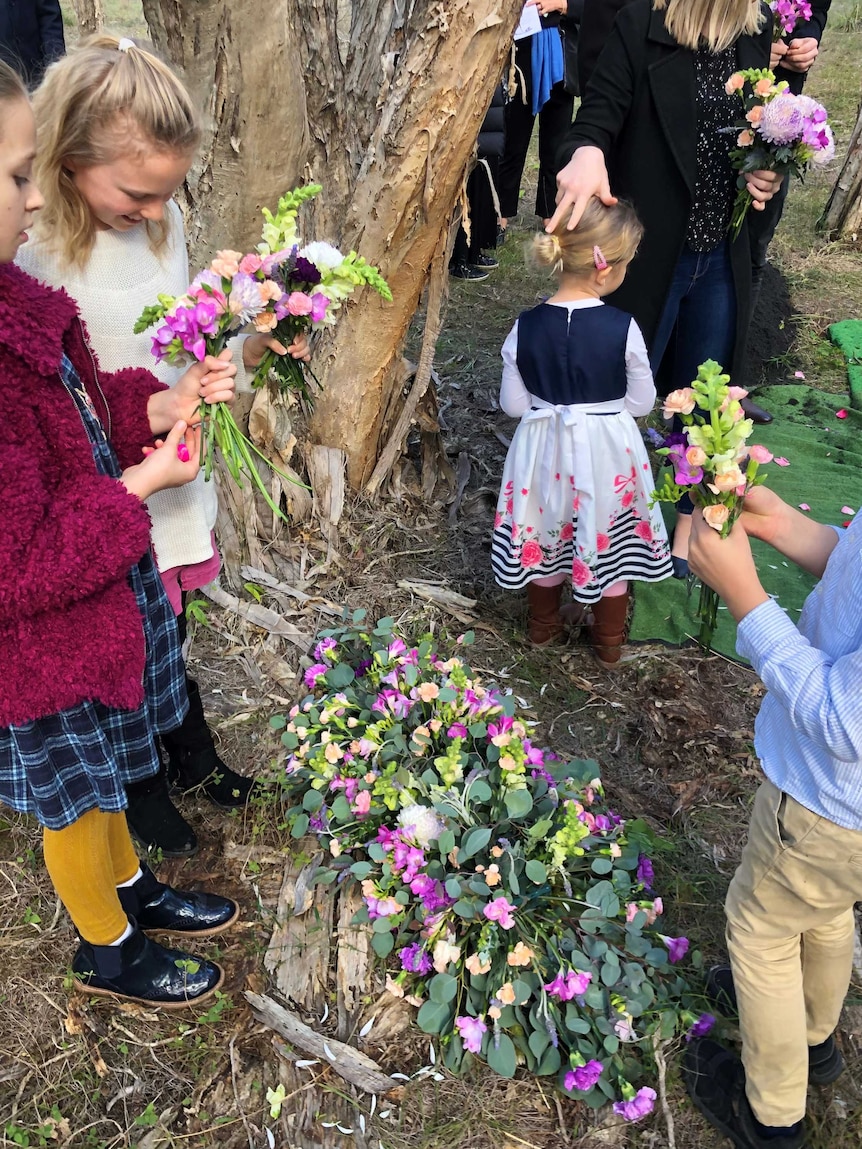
(555, 119)
(483, 214)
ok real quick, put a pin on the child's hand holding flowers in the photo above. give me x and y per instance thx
(725, 564)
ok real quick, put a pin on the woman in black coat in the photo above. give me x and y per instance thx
(31, 36)
(650, 130)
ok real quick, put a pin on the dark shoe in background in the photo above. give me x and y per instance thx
(155, 822)
(486, 262)
(755, 413)
(466, 271)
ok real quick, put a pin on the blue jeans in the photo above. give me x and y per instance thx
(701, 307)
(700, 315)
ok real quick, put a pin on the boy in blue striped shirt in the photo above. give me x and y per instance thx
(790, 921)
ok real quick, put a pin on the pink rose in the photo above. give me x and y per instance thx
(531, 554)
(644, 531)
(298, 303)
(566, 532)
(226, 263)
(735, 83)
(760, 454)
(716, 515)
(602, 543)
(581, 573)
(681, 402)
(250, 263)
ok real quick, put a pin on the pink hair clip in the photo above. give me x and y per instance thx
(598, 259)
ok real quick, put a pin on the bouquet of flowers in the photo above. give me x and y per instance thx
(519, 906)
(221, 299)
(712, 457)
(786, 14)
(314, 280)
(778, 132)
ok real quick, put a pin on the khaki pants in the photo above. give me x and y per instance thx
(790, 930)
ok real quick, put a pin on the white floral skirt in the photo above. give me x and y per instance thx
(575, 500)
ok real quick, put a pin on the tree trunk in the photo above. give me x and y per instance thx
(381, 103)
(842, 217)
(91, 15)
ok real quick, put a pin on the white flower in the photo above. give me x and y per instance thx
(324, 256)
(421, 824)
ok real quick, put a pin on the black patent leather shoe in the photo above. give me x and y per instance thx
(755, 413)
(141, 970)
(190, 913)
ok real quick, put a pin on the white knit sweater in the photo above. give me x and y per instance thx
(123, 275)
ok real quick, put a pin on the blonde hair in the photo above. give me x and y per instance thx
(86, 107)
(604, 234)
(715, 23)
(11, 88)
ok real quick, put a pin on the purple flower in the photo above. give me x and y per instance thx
(701, 1027)
(319, 304)
(500, 910)
(245, 299)
(314, 673)
(782, 121)
(543, 773)
(415, 959)
(407, 861)
(677, 948)
(645, 873)
(394, 701)
(324, 647)
(684, 475)
(584, 1077)
(457, 730)
(636, 1107)
(570, 985)
(305, 271)
(472, 1030)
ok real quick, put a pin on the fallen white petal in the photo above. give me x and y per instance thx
(399, 1076)
(366, 1029)
(329, 1052)
(270, 1137)
(344, 1128)
(433, 1054)
(305, 1063)
(373, 1103)
(325, 1013)
(361, 1122)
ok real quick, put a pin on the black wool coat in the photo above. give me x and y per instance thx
(31, 36)
(640, 109)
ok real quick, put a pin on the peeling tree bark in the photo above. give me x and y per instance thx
(91, 15)
(842, 216)
(378, 100)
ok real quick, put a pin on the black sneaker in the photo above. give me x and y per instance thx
(485, 261)
(141, 970)
(501, 235)
(156, 906)
(465, 271)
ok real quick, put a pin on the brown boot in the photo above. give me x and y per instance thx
(608, 632)
(544, 624)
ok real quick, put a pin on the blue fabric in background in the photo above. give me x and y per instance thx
(546, 58)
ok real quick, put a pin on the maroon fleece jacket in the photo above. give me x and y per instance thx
(70, 628)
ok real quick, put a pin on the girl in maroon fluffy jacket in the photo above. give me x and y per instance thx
(90, 665)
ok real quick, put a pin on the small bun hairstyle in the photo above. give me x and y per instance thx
(104, 97)
(11, 89)
(604, 236)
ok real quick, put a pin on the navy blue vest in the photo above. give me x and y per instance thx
(577, 360)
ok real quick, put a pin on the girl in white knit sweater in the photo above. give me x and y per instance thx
(117, 135)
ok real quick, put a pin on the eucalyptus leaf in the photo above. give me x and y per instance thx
(502, 1057)
(435, 1016)
(382, 944)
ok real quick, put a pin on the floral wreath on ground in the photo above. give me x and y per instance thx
(518, 905)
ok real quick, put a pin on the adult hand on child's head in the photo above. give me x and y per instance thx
(255, 347)
(801, 54)
(173, 462)
(727, 565)
(583, 177)
(762, 186)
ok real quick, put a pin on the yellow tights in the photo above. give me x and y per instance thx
(86, 862)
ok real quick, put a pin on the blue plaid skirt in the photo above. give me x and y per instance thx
(81, 759)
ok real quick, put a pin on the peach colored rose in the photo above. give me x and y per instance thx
(680, 402)
(763, 87)
(506, 994)
(716, 515)
(727, 480)
(755, 115)
(492, 875)
(264, 322)
(735, 83)
(270, 290)
(507, 762)
(428, 691)
(745, 138)
(520, 955)
(476, 966)
(226, 263)
(695, 456)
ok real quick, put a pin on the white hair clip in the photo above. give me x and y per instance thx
(125, 44)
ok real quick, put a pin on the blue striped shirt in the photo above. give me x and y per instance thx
(808, 733)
